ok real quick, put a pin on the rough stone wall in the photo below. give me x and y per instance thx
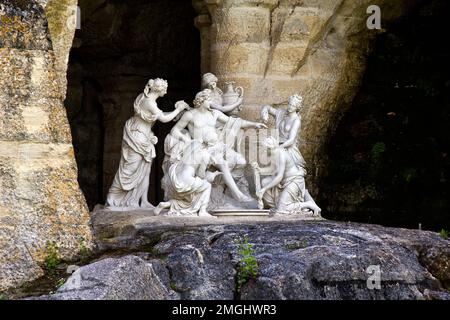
(62, 18)
(40, 200)
(275, 48)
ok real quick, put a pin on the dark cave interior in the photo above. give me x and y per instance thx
(120, 46)
(390, 156)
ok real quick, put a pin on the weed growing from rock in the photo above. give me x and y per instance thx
(444, 234)
(247, 267)
(52, 259)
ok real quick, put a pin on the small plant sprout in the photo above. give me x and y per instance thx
(247, 267)
(52, 259)
(444, 234)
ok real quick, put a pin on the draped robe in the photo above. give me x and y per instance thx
(138, 152)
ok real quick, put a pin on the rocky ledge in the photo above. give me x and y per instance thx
(145, 257)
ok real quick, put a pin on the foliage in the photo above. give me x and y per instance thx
(52, 259)
(408, 174)
(248, 265)
(60, 283)
(83, 251)
(444, 234)
(377, 151)
(173, 286)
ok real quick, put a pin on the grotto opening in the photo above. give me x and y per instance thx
(118, 48)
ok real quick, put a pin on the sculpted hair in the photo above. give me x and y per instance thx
(155, 84)
(201, 97)
(297, 100)
(208, 78)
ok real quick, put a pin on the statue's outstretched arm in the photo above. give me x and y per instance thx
(227, 108)
(250, 124)
(266, 111)
(223, 118)
(169, 116)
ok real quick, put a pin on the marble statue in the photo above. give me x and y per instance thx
(288, 125)
(131, 182)
(198, 123)
(229, 102)
(285, 190)
(190, 179)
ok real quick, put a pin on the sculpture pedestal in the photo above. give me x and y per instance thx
(116, 222)
(126, 229)
(231, 215)
(241, 213)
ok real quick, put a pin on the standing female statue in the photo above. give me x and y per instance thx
(131, 183)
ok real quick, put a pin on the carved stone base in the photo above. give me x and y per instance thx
(241, 213)
(101, 207)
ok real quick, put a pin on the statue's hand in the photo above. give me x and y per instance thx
(210, 176)
(186, 138)
(259, 125)
(261, 193)
(286, 145)
(265, 114)
(213, 157)
(181, 105)
(154, 139)
(255, 165)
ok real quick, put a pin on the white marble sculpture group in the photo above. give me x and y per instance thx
(204, 168)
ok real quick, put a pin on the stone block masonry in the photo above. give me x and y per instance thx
(274, 48)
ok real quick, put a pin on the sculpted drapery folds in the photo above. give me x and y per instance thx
(202, 146)
(197, 123)
(285, 192)
(131, 182)
(189, 179)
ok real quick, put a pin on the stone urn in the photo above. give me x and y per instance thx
(232, 94)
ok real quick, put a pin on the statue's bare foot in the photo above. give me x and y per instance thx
(317, 211)
(160, 207)
(260, 204)
(146, 205)
(312, 208)
(206, 214)
(273, 213)
(157, 210)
